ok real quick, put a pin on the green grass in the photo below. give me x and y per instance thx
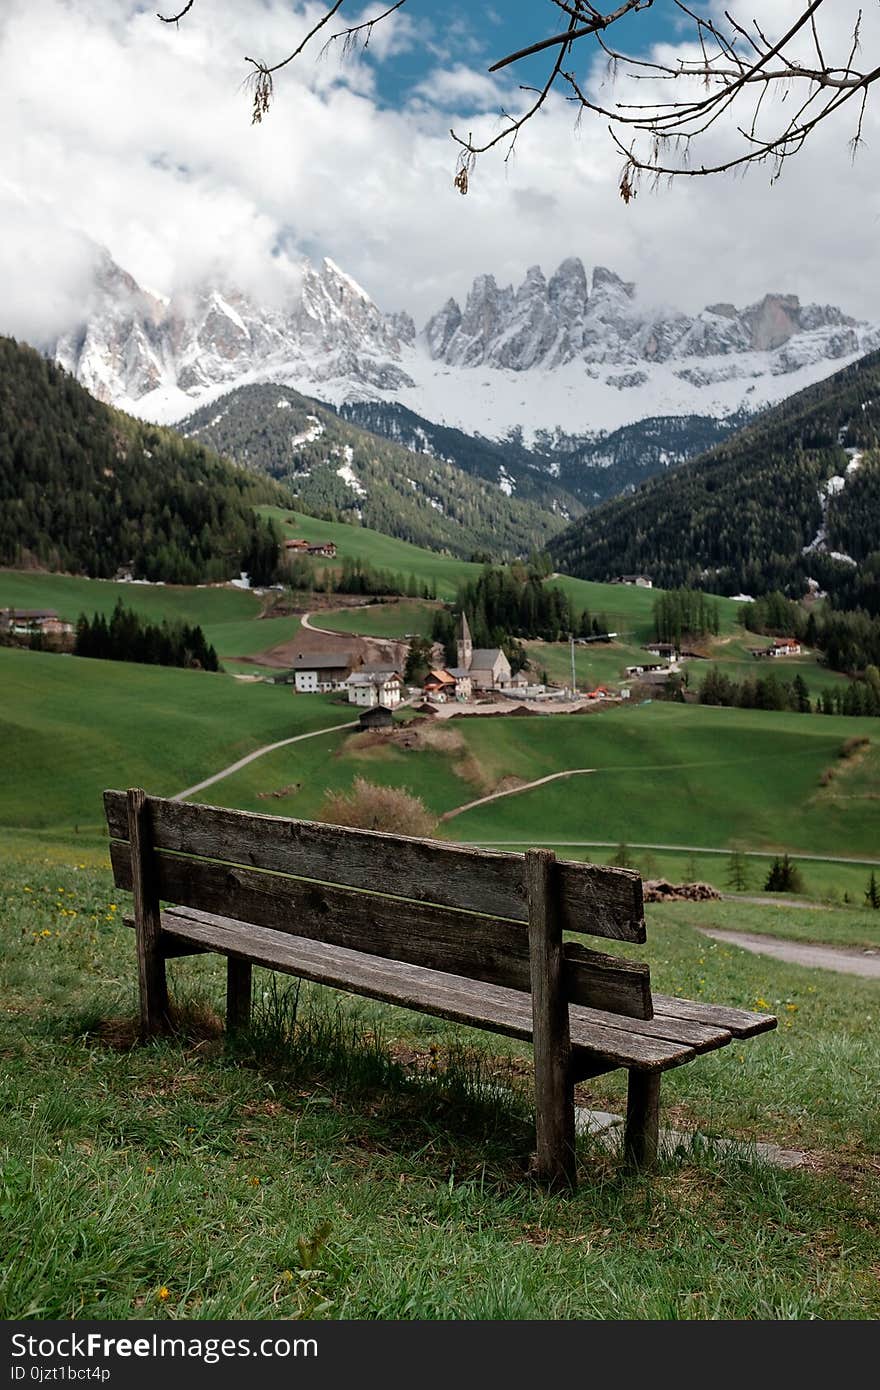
(394, 620)
(332, 1174)
(681, 775)
(71, 727)
(374, 548)
(228, 616)
(841, 885)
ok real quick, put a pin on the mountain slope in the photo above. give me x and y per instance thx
(582, 355)
(792, 497)
(86, 489)
(557, 471)
(333, 465)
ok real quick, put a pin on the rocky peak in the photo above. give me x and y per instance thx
(607, 281)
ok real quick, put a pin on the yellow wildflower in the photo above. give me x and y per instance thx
(164, 1294)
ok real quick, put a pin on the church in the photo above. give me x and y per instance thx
(487, 667)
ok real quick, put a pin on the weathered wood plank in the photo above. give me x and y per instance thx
(238, 994)
(641, 1135)
(700, 1036)
(464, 1001)
(152, 986)
(593, 899)
(554, 1093)
(742, 1023)
(482, 948)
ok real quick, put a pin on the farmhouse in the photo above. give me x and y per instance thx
(780, 646)
(379, 717)
(322, 671)
(298, 546)
(375, 685)
(25, 622)
(667, 650)
(641, 581)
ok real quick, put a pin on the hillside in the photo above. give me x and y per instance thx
(335, 466)
(795, 495)
(86, 489)
(558, 470)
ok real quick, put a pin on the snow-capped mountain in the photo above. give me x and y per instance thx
(549, 323)
(570, 355)
(157, 357)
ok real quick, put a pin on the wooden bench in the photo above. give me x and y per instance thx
(465, 934)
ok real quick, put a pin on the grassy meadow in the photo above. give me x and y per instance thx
(229, 617)
(347, 1160)
(70, 727)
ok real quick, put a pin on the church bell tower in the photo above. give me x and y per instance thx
(465, 645)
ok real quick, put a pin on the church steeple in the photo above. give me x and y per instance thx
(465, 645)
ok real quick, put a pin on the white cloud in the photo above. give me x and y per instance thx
(136, 135)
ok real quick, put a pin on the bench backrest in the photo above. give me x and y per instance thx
(448, 907)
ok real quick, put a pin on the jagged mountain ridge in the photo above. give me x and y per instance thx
(133, 344)
(553, 322)
(558, 354)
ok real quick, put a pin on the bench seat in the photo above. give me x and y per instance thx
(652, 1045)
(474, 936)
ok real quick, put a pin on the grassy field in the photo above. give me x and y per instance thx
(176, 1180)
(378, 550)
(230, 617)
(683, 775)
(398, 619)
(71, 727)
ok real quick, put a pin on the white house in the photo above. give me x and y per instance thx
(375, 686)
(318, 672)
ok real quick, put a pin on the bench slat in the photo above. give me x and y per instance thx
(593, 899)
(488, 949)
(463, 1001)
(742, 1023)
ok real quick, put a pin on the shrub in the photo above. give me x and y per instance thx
(784, 877)
(370, 807)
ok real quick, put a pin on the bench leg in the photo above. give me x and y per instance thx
(642, 1133)
(554, 1163)
(238, 994)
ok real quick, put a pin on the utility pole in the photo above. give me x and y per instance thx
(573, 685)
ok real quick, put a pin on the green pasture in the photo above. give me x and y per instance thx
(229, 617)
(376, 549)
(69, 727)
(396, 619)
(349, 1160)
(681, 775)
(824, 881)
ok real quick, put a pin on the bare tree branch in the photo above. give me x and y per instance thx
(729, 79)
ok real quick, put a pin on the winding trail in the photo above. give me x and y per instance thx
(512, 791)
(259, 753)
(845, 960)
(637, 844)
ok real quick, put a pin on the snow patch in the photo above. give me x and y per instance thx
(314, 431)
(348, 475)
(833, 487)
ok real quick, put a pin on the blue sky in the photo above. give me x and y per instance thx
(477, 35)
(144, 145)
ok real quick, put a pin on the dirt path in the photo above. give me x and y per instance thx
(259, 753)
(848, 960)
(512, 791)
(684, 849)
